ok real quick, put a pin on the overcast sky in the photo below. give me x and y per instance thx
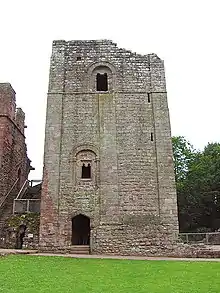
(185, 34)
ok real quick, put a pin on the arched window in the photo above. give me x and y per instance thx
(86, 171)
(102, 82)
(102, 77)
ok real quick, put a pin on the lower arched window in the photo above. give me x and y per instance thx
(86, 170)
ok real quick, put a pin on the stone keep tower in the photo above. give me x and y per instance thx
(108, 170)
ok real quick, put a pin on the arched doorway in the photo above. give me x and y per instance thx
(80, 230)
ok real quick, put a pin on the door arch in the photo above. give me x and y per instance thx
(80, 230)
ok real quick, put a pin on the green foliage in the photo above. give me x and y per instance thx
(198, 185)
(32, 220)
(184, 154)
(30, 274)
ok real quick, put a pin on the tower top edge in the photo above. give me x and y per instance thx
(102, 42)
(7, 87)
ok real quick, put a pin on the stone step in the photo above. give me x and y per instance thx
(74, 249)
(79, 249)
(80, 246)
(79, 252)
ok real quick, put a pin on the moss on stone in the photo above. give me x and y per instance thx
(31, 220)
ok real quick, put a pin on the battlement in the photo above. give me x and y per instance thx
(6, 87)
(8, 106)
(7, 100)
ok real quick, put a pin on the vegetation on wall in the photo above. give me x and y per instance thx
(32, 220)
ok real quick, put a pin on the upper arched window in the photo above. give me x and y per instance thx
(102, 82)
(101, 79)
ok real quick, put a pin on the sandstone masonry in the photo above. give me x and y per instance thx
(14, 162)
(108, 172)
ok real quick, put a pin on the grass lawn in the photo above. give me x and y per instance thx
(21, 274)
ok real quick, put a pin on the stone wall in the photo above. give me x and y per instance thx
(127, 130)
(13, 151)
(10, 232)
(14, 163)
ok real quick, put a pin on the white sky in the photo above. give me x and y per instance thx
(184, 33)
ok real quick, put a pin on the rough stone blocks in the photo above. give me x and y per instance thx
(108, 151)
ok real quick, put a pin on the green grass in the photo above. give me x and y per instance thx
(21, 274)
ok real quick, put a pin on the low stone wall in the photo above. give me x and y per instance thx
(9, 234)
(178, 251)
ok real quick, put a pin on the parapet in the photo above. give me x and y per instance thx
(8, 106)
(6, 88)
(7, 100)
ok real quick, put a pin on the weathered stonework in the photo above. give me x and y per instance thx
(13, 226)
(122, 134)
(14, 162)
(14, 166)
(13, 152)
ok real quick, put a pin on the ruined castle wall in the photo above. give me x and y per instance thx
(13, 153)
(123, 133)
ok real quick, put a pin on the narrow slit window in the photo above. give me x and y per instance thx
(148, 97)
(152, 136)
(86, 171)
(101, 82)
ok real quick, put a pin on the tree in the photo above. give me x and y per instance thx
(203, 184)
(183, 154)
(198, 185)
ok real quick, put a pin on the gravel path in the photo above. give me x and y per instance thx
(4, 252)
(126, 257)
